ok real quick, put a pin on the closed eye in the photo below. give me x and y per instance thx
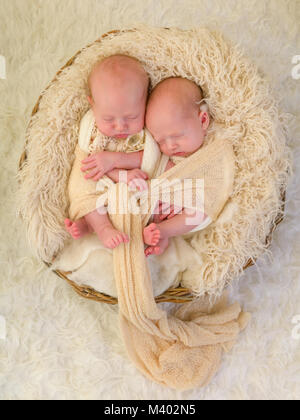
(173, 137)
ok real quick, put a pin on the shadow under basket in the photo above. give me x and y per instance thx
(174, 295)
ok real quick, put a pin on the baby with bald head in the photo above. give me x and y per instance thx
(118, 87)
(179, 125)
(174, 117)
(118, 93)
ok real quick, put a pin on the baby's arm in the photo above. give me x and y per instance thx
(177, 224)
(157, 235)
(181, 223)
(103, 162)
(114, 175)
(135, 178)
(129, 160)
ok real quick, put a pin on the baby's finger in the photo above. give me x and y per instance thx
(91, 165)
(132, 185)
(142, 184)
(143, 174)
(177, 210)
(165, 208)
(137, 174)
(88, 159)
(98, 176)
(92, 174)
(138, 185)
(172, 214)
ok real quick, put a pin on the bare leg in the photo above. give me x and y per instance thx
(108, 235)
(158, 249)
(157, 235)
(77, 229)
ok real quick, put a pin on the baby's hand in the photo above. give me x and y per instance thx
(99, 164)
(136, 179)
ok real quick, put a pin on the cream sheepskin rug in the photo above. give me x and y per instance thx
(59, 346)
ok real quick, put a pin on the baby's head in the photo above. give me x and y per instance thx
(174, 117)
(118, 88)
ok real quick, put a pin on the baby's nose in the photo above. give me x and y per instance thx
(120, 125)
(171, 147)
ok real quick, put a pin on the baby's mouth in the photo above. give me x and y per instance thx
(121, 136)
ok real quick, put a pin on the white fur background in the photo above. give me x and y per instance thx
(60, 346)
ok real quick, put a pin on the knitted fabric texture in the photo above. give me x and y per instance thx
(183, 350)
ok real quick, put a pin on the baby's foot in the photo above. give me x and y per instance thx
(159, 249)
(111, 238)
(151, 234)
(77, 229)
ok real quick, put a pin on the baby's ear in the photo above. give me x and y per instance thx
(204, 119)
(90, 99)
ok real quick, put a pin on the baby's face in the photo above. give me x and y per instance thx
(119, 112)
(177, 133)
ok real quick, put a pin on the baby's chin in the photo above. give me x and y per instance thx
(184, 154)
(118, 136)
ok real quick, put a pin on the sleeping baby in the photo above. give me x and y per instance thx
(118, 94)
(179, 127)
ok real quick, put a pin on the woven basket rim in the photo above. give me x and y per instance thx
(174, 295)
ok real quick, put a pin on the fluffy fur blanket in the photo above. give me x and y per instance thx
(61, 346)
(244, 112)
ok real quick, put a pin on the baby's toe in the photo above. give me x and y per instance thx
(68, 223)
(119, 239)
(111, 245)
(148, 251)
(115, 242)
(125, 238)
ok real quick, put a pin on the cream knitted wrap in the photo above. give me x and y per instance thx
(182, 350)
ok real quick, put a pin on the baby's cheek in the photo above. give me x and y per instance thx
(105, 129)
(138, 126)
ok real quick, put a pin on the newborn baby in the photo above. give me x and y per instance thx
(178, 124)
(119, 90)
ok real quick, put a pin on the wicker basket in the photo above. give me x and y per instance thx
(175, 295)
